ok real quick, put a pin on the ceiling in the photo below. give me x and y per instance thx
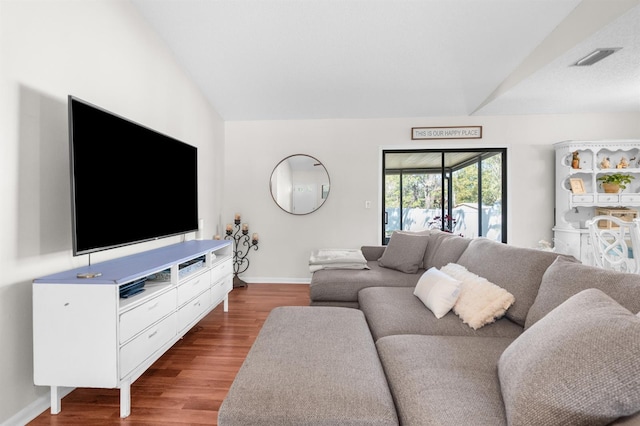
(324, 59)
(432, 160)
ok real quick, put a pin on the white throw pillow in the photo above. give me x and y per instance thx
(480, 302)
(438, 291)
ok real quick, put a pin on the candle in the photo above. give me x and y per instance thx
(216, 237)
(229, 227)
(254, 237)
(245, 227)
(237, 216)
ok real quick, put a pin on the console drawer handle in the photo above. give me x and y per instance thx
(153, 334)
(153, 306)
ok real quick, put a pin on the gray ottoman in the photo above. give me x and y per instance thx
(311, 365)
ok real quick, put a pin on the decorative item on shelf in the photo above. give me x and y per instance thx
(622, 213)
(623, 164)
(577, 185)
(613, 183)
(242, 244)
(605, 163)
(575, 161)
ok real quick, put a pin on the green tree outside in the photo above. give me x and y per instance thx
(424, 190)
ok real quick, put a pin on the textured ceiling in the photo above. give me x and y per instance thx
(315, 59)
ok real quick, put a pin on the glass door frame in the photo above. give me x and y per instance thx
(446, 176)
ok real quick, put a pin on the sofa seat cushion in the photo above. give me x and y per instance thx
(580, 364)
(518, 270)
(337, 285)
(444, 380)
(310, 366)
(563, 279)
(391, 311)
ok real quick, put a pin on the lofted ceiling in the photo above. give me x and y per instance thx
(321, 59)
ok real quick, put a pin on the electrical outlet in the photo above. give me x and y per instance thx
(367, 204)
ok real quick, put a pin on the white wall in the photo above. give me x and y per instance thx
(101, 51)
(350, 150)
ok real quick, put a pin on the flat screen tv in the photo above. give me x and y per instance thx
(129, 183)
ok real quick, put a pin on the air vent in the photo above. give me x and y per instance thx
(596, 56)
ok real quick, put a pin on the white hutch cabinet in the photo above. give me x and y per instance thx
(574, 208)
(86, 335)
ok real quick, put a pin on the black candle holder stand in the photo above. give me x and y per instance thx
(242, 244)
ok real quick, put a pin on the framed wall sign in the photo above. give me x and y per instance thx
(577, 185)
(462, 132)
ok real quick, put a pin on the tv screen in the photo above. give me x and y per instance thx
(129, 183)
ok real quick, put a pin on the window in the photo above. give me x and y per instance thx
(456, 190)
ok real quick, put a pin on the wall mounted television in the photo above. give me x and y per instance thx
(129, 183)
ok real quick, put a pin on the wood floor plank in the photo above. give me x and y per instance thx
(189, 382)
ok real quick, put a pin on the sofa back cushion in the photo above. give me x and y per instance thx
(563, 279)
(518, 270)
(443, 248)
(578, 365)
(404, 252)
(372, 252)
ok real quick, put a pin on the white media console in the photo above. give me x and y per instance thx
(86, 335)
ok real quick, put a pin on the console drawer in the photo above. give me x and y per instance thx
(221, 270)
(587, 198)
(193, 286)
(134, 321)
(629, 198)
(192, 310)
(142, 347)
(608, 198)
(220, 289)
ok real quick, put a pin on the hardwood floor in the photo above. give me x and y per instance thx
(188, 383)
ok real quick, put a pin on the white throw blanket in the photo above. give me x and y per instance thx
(337, 259)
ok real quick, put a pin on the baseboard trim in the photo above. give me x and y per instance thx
(33, 410)
(276, 280)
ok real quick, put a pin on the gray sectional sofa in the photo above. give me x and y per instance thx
(567, 351)
(339, 287)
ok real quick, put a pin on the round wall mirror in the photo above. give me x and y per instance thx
(299, 184)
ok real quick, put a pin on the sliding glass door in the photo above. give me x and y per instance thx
(457, 190)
